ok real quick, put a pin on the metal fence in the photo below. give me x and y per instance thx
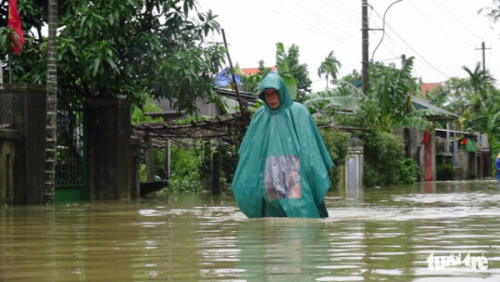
(441, 145)
(6, 110)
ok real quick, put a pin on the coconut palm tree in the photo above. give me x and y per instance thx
(330, 66)
(51, 126)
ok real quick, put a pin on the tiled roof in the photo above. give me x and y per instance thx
(249, 71)
(427, 87)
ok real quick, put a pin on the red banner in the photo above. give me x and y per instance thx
(17, 38)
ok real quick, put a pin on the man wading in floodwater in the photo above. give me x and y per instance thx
(284, 163)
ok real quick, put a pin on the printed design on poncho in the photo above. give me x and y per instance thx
(282, 177)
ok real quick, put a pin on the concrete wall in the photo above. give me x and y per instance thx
(29, 121)
(8, 140)
(210, 109)
(109, 149)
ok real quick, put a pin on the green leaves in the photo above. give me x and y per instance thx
(391, 87)
(345, 96)
(284, 72)
(330, 66)
(117, 48)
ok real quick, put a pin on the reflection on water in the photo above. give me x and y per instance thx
(384, 234)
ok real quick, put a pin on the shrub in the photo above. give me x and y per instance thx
(385, 163)
(445, 172)
(337, 143)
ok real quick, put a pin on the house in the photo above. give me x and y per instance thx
(442, 146)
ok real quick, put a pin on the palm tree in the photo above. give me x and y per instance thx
(330, 66)
(481, 83)
(51, 125)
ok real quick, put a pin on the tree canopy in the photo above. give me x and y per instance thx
(299, 72)
(115, 48)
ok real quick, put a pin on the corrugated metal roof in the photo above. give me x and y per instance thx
(249, 97)
(426, 104)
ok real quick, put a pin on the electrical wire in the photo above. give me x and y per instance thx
(412, 48)
(314, 29)
(437, 25)
(308, 28)
(463, 26)
(321, 18)
(343, 14)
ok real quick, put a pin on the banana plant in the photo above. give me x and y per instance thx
(284, 71)
(346, 96)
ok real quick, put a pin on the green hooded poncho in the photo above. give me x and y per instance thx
(284, 163)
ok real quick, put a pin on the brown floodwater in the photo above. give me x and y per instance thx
(385, 234)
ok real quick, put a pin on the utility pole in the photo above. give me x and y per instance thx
(484, 59)
(364, 29)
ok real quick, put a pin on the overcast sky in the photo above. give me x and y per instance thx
(442, 35)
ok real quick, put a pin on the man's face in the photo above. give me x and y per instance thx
(272, 98)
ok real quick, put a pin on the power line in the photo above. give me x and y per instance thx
(459, 22)
(314, 29)
(343, 14)
(321, 18)
(437, 25)
(412, 48)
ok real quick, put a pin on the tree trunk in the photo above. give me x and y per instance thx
(51, 126)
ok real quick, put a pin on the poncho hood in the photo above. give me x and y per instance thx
(274, 81)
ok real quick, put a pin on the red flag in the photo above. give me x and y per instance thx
(17, 38)
(426, 137)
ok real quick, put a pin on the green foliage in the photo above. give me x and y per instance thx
(191, 168)
(284, 71)
(33, 14)
(353, 76)
(390, 87)
(254, 108)
(299, 72)
(184, 175)
(263, 71)
(115, 48)
(445, 172)
(229, 161)
(150, 106)
(183, 184)
(329, 67)
(384, 162)
(251, 83)
(345, 96)
(190, 119)
(337, 143)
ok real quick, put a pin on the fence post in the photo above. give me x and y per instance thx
(149, 160)
(216, 173)
(354, 167)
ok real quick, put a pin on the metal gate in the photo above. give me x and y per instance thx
(71, 158)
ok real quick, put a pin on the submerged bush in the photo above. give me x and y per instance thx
(385, 163)
(337, 143)
(445, 172)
